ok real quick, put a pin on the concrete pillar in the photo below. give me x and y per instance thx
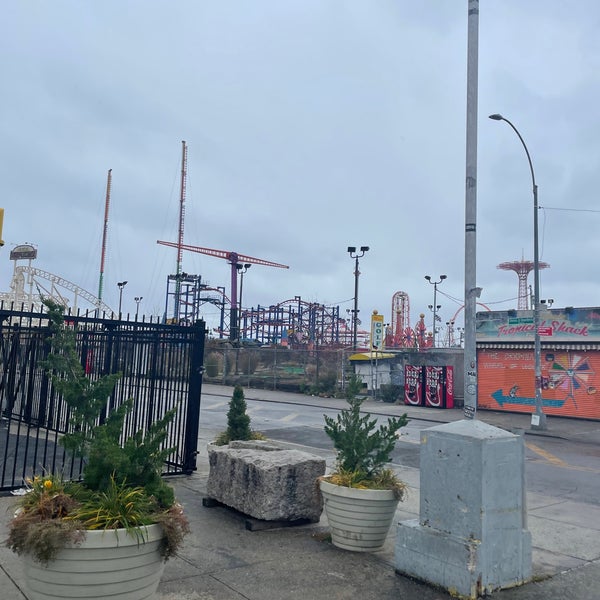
(471, 535)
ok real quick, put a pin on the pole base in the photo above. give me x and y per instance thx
(538, 421)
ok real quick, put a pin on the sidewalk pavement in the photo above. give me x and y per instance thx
(222, 560)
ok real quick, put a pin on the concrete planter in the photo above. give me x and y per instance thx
(108, 564)
(359, 519)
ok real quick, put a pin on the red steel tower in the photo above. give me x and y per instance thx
(522, 268)
(400, 319)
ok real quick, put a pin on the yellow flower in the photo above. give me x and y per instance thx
(48, 484)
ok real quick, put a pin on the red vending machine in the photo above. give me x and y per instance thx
(413, 385)
(439, 387)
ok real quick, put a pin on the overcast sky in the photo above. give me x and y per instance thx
(311, 125)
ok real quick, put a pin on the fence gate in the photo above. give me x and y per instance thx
(161, 368)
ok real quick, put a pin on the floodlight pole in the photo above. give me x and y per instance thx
(435, 306)
(355, 255)
(121, 285)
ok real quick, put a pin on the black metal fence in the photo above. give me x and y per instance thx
(161, 368)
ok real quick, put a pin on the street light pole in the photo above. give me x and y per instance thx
(137, 299)
(121, 285)
(355, 255)
(435, 307)
(241, 268)
(538, 419)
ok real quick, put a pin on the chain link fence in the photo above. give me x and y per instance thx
(316, 371)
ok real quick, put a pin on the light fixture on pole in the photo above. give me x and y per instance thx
(121, 285)
(435, 307)
(355, 255)
(538, 419)
(137, 299)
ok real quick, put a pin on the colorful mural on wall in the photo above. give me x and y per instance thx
(556, 325)
(570, 381)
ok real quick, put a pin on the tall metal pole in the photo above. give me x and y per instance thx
(435, 307)
(121, 285)
(242, 269)
(471, 290)
(104, 236)
(179, 267)
(356, 256)
(233, 313)
(355, 319)
(434, 314)
(538, 419)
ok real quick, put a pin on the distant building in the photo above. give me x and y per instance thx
(570, 361)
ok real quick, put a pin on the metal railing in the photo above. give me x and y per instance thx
(161, 368)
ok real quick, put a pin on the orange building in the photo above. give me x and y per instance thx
(570, 361)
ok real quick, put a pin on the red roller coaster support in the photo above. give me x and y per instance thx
(234, 259)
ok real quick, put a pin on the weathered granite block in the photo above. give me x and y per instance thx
(265, 481)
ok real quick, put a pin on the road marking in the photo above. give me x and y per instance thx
(403, 437)
(289, 417)
(213, 406)
(557, 462)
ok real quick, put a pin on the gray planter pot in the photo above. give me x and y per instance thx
(359, 519)
(108, 564)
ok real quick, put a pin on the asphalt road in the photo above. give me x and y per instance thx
(560, 468)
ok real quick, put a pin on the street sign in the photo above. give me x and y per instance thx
(520, 321)
(545, 330)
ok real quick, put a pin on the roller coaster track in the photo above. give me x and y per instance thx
(34, 277)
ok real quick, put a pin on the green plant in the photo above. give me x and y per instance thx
(121, 486)
(38, 526)
(354, 386)
(238, 421)
(386, 479)
(363, 449)
(389, 392)
(213, 364)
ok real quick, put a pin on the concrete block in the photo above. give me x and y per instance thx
(470, 537)
(265, 481)
(461, 565)
(470, 471)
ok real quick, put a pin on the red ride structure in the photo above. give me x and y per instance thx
(234, 259)
(522, 268)
(397, 336)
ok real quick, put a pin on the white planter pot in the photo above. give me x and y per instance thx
(108, 564)
(359, 519)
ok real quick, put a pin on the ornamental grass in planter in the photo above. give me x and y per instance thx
(361, 495)
(121, 499)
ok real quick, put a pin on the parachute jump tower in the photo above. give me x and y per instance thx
(522, 268)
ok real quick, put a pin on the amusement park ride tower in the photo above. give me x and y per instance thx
(182, 279)
(522, 268)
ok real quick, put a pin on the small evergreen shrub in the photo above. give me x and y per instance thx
(360, 446)
(238, 421)
(212, 364)
(354, 386)
(388, 392)
(363, 449)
